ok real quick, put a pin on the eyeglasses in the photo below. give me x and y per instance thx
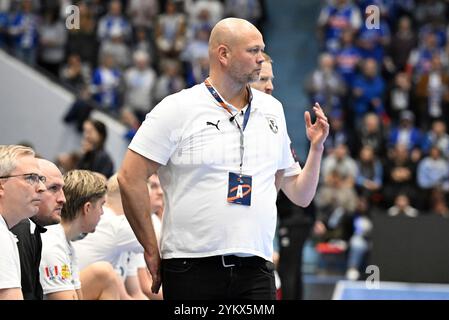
(31, 178)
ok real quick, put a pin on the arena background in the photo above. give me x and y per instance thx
(403, 235)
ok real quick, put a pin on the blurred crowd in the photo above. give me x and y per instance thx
(382, 76)
(126, 55)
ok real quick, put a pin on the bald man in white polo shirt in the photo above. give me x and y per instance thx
(220, 149)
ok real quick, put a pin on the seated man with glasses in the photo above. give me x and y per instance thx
(21, 188)
(28, 231)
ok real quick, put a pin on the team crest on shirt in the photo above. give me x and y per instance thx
(65, 272)
(51, 272)
(56, 272)
(272, 124)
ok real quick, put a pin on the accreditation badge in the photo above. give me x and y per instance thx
(239, 189)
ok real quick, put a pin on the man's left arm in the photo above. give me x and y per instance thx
(301, 188)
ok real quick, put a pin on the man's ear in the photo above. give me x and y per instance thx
(87, 207)
(223, 54)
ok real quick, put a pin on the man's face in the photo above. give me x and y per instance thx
(53, 198)
(156, 194)
(246, 57)
(265, 82)
(22, 193)
(93, 214)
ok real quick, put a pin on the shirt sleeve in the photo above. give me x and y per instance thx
(160, 133)
(9, 266)
(57, 272)
(286, 159)
(125, 238)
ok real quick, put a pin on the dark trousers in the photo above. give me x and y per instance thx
(290, 261)
(218, 277)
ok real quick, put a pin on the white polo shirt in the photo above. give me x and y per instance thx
(191, 136)
(58, 270)
(112, 237)
(9, 258)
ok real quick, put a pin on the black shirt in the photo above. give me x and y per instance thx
(30, 248)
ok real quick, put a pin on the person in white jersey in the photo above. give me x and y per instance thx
(220, 150)
(59, 270)
(157, 207)
(112, 241)
(21, 188)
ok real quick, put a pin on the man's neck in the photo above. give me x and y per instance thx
(9, 217)
(71, 229)
(235, 94)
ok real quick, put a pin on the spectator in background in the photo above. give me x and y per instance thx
(23, 30)
(170, 81)
(86, 34)
(201, 21)
(139, 83)
(372, 134)
(144, 43)
(437, 136)
(75, 73)
(432, 172)
(400, 175)
(195, 10)
(400, 95)
(80, 109)
(401, 45)
(106, 83)
(433, 94)
(143, 14)
(407, 134)
(402, 207)
(117, 48)
(28, 231)
(359, 244)
(52, 40)
(21, 188)
(420, 59)
(426, 11)
(369, 174)
(340, 161)
(196, 57)
(338, 133)
(333, 19)
(373, 41)
(114, 21)
(336, 202)
(170, 32)
(250, 10)
(368, 92)
(347, 57)
(94, 157)
(325, 85)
